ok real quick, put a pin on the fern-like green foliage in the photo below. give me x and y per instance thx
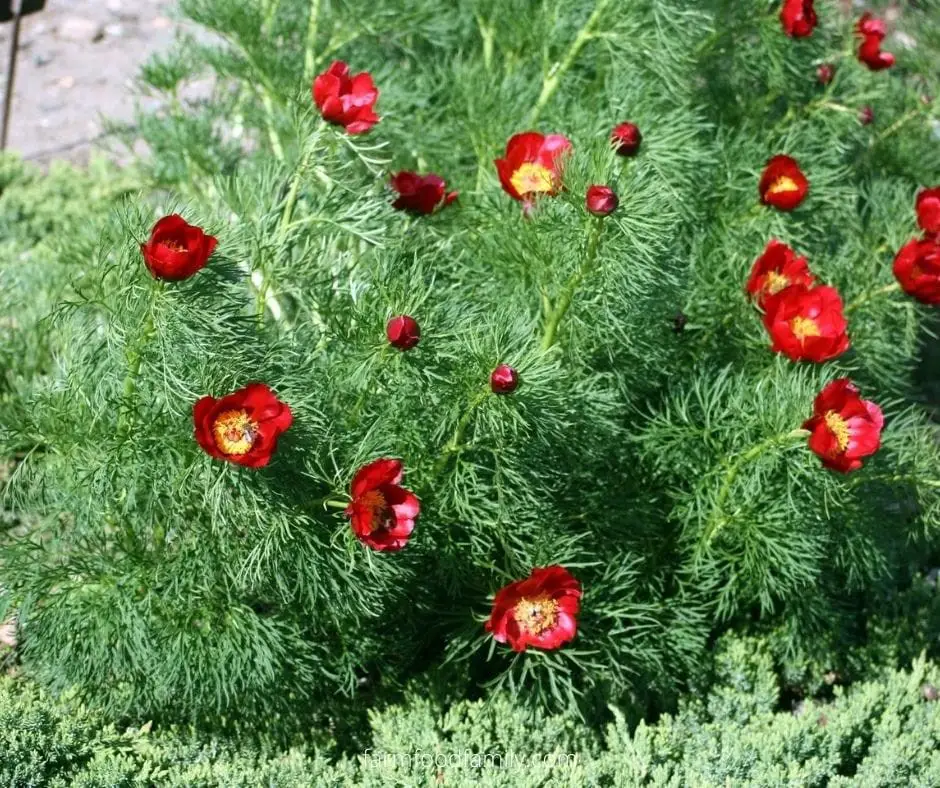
(659, 466)
(881, 732)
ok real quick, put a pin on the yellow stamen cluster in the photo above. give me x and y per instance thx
(803, 327)
(532, 177)
(838, 427)
(775, 282)
(234, 432)
(782, 185)
(536, 615)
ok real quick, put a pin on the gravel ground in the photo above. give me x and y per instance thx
(76, 64)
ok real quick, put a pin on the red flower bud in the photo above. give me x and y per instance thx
(346, 101)
(242, 427)
(626, 138)
(844, 427)
(866, 115)
(825, 73)
(798, 18)
(540, 611)
(917, 269)
(783, 184)
(504, 379)
(420, 193)
(928, 210)
(403, 332)
(601, 200)
(176, 250)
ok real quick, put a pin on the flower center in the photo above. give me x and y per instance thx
(380, 514)
(536, 615)
(532, 177)
(173, 246)
(803, 327)
(775, 282)
(838, 427)
(782, 185)
(234, 432)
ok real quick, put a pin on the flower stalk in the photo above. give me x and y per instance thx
(454, 444)
(866, 297)
(717, 521)
(557, 312)
(552, 79)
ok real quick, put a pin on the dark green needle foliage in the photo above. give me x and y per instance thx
(652, 447)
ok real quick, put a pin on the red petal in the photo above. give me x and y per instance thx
(928, 210)
(362, 126)
(332, 110)
(524, 147)
(404, 502)
(169, 226)
(203, 412)
(376, 474)
(505, 170)
(325, 86)
(363, 88)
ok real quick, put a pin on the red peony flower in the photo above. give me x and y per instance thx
(176, 250)
(798, 18)
(532, 164)
(504, 380)
(917, 269)
(626, 138)
(403, 332)
(825, 73)
(382, 513)
(873, 33)
(540, 611)
(346, 101)
(783, 184)
(421, 193)
(778, 267)
(806, 323)
(928, 210)
(844, 427)
(242, 427)
(601, 200)
(866, 115)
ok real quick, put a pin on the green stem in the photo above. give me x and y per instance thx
(326, 502)
(897, 125)
(273, 137)
(486, 33)
(357, 408)
(550, 83)
(310, 60)
(865, 297)
(856, 481)
(266, 91)
(291, 202)
(135, 357)
(717, 521)
(557, 313)
(269, 14)
(457, 438)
